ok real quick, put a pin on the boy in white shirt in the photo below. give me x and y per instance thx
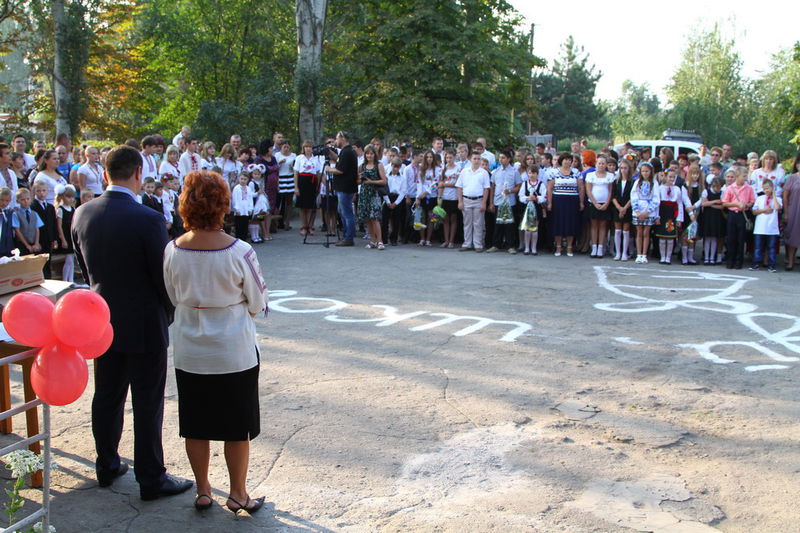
(473, 193)
(765, 229)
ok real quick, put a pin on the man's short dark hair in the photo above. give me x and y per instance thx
(133, 143)
(357, 143)
(344, 134)
(548, 156)
(17, 136)
(716, 165)
(122, 162)
(150, 140)
(540, 145)
(4, 146)
(474, 152)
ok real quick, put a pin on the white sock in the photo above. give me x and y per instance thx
(534, 240)
(685, 253)
(691, 254)
(68, 272)
(600, 250)
(662, 245)
(713, 253)
(618, 242)
(707, 250)
(670, 248)
(594, 250)
(626, 236)
(253, 232)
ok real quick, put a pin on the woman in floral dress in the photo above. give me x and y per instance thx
(372, 177)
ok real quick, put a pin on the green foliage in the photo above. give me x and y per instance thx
(565, 94)
(420, 68)
(637, 113)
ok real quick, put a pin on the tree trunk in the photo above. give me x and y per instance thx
(310, 15)
(60, 89)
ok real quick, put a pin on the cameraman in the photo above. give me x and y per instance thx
(344, 183)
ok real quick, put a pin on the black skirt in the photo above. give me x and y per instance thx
(450, 206)
(218, 406)
(307, 184)
(566, 219)
(712, 223)
(596, 214)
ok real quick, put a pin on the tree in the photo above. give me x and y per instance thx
(778, 100)
(420, 68)
(708, 92)
(310, 15)
(637, 113)
(565, 94)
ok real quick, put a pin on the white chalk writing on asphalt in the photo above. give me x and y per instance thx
(282, 302)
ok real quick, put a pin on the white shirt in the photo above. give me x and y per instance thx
(766, 224)
(397, 185)
(473, 182)
(172, 170)
(166, 205)
(149, 167)
(450, 178)
(429, 183)
(214, 293)
(187, 163)
(12, 184)
(286, 163)
(28, 161)
(41, 177)
(410, 173)
(601, 187)
(305, 165)
(242, 199)
(230, 169)
(489, 156)
(776, 176)
(93, 174)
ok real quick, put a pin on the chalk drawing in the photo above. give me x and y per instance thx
(663, 290)
(287, 301)
(626, 340)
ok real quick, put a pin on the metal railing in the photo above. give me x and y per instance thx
(43, 514)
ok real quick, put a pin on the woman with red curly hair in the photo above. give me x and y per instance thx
(215, 283)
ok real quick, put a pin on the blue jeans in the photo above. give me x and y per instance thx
(771, 241)
(345, 200)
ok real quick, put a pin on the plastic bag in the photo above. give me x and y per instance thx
(691, 231)
(418, 223)
(530, 221)
(504, 213)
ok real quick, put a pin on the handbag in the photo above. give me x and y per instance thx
(748, 222)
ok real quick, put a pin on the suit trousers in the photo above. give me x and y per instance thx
(735, 238)
(145, 374)
(474, 224)
(397, 218)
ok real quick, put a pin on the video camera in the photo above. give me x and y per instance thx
(321, 150)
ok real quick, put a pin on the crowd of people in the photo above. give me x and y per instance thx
(707, 208)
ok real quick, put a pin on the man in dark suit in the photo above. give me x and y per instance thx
(120, 246)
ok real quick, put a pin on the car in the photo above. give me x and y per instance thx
(677, 146)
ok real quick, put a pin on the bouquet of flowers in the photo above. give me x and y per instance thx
(691, 232)
(529, 222)
(504, 214)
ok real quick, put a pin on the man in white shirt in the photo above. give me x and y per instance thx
(277, 139)
(486, 154)
(184, 134)
(19, 146)
(473, 192)
(149, 165)
(189, 160)
(7, 176)
(411, 173)
(437, 145)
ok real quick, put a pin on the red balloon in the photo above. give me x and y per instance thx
(59, 374)
(80, 317)
(28, 318)
(97, 348)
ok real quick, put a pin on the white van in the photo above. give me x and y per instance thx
(678, 146)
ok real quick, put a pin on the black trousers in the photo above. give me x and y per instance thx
(145, 374)
(735, 239)
(240, 224)
(396, 217)
(504, 235)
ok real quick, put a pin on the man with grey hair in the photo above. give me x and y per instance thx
(236, 141)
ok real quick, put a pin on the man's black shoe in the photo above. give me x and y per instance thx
(169, 487)
(107, 480)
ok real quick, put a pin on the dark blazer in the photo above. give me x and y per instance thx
(120, 245)
(152, 203)
(47, 233)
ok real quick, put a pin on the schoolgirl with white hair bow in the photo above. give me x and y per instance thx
(65, 209)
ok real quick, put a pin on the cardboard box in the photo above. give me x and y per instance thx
(23, 273)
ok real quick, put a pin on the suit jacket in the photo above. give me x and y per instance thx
(47, 233)
(152, 203)
(120, 246)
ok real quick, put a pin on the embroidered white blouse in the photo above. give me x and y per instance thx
(214, 293)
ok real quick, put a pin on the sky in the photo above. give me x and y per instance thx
(644, 41)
